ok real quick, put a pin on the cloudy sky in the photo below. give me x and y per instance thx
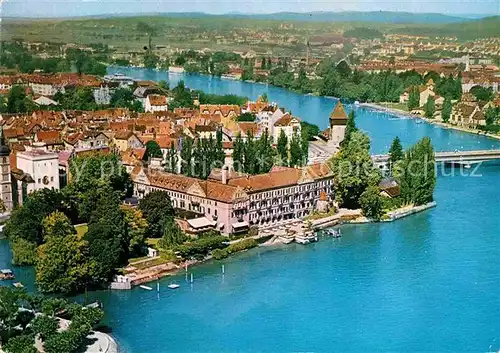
(58, 8)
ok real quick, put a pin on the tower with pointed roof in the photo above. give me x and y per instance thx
(5, 183)
(338, 122)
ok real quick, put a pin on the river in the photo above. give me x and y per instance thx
(423, 283)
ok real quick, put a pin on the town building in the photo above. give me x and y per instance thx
(232, 202)
(125, 140)
(37, 169)
(156, 103)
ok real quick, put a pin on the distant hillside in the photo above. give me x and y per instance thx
(353, 16)
(389, 17)
(482, 28)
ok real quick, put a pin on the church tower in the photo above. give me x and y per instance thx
(338, 122)
(5, 183)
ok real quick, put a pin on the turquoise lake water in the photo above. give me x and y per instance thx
(424, 283)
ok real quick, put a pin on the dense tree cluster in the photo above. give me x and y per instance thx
(24, 317)
(42, 231)
(353, 170)
(199, 157)
(416, 173)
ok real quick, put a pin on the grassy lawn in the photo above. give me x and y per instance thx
(399, 106)
(151, 263)
(81, 229)
(152, 242)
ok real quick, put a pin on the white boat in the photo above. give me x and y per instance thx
(173, 286)
(18, 285)
(334, 233)
(145, 287)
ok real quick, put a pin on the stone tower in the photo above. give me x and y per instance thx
(5, 183)
(338, 122)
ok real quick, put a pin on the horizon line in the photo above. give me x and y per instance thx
(465, 16)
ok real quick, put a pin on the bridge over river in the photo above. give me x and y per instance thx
(454, 158)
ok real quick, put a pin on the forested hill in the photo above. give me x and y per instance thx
(484, 28)
(354, 16)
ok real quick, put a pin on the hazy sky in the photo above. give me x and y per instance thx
(57, 8)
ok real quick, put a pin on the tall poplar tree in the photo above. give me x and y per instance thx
(446, 112)
(430, 107)
(187, 156)
(171, 159)
(238, 154)
(282, 147)
(350, 127)
(295, 151)
(250, 153)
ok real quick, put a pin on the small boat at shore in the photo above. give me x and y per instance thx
(173, 286)
(334, 233)
(18, 285)
(6, 274)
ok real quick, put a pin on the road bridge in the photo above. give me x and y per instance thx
(456, 157)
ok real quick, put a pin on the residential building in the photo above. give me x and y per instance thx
(125, 140)
(156, 103)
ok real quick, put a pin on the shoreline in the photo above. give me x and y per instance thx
(399, 113)
(338, 219)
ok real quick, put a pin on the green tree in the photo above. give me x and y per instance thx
(171, 159)
(156, 206)
(413, 98)
(265, 153)
(296, 156)
(482, 93)
(250, 153)
(353, 170)
(56, 225)
(350, 127)
(187, 156)
(153, 150)
(238, 153)
(17, 101)
(24, 227)
(107, 236)
(395, 152)
(45, 326)
(371, 203)
(416, 174)
(91, 170)
(282, 147)
(492, 114)
(172, 234)
(137, 228)
(446, 112)
(430, 108)
(63, 264)
(23, 252)
(21, 344)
